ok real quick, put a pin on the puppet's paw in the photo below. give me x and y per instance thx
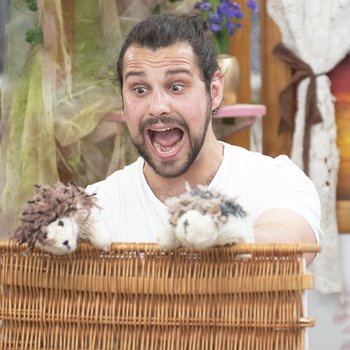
(95, 231)
(236, 230)
(196, 230)
(167, 239)
(61, 237)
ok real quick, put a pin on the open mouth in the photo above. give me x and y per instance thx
(166, 141)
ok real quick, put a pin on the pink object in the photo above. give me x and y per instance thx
(241, 110)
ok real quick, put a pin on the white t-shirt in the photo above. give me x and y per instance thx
(134, 214)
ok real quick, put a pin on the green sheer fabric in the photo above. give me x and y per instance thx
(58, 97)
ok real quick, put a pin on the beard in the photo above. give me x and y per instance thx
(170, 168)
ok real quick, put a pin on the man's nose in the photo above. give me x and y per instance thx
(159, 103)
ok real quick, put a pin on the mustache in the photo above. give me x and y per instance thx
(163, 120)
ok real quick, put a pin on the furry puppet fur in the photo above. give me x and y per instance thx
(200, 218)
(60, 215)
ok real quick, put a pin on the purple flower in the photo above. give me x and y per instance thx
(222, 9)
(214, 18)
(231, 28)
(215, 28)
(233, 13)
(224, 17)
(238, 14)
(236, 6)
(251, 4)
(203, 5)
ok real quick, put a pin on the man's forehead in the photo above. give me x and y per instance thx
(179, 54)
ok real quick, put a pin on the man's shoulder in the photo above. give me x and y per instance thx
(242, 155)
(257, 166)
(250, 155)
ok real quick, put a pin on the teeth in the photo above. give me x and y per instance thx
(160, 149)
(165, 129)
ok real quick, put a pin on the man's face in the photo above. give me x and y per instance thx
(166, 106)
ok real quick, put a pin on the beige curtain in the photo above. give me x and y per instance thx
(57, 95)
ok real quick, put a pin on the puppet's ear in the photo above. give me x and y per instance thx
(42, 237)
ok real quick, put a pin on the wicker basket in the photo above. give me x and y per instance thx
(246, 296)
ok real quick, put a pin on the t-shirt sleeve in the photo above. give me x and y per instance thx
(287, 186)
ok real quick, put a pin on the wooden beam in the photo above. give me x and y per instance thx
(275, 74)
(343, 215)
(240, 47)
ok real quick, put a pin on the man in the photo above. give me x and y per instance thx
(171, 85)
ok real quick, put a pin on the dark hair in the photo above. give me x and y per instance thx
(163, 30)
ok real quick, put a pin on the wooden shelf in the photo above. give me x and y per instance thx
(247, 111)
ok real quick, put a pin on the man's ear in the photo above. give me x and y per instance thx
(216, 89)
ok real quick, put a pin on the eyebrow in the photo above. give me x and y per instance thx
(178, 71)
(134, 73)
(167, 73)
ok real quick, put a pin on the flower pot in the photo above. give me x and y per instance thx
(230, 68)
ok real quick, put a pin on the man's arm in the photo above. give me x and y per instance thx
(283, 226)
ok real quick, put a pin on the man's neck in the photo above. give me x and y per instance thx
(201, 172)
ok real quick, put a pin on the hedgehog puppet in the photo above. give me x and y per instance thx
(201, 218)
(60, 215)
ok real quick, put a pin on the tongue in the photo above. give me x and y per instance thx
(167, 138)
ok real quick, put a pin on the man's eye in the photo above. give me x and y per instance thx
(140, 90)
(176, 87)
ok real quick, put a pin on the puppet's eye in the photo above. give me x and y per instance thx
(60, 223)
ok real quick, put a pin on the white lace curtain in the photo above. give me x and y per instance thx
(318, 34)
